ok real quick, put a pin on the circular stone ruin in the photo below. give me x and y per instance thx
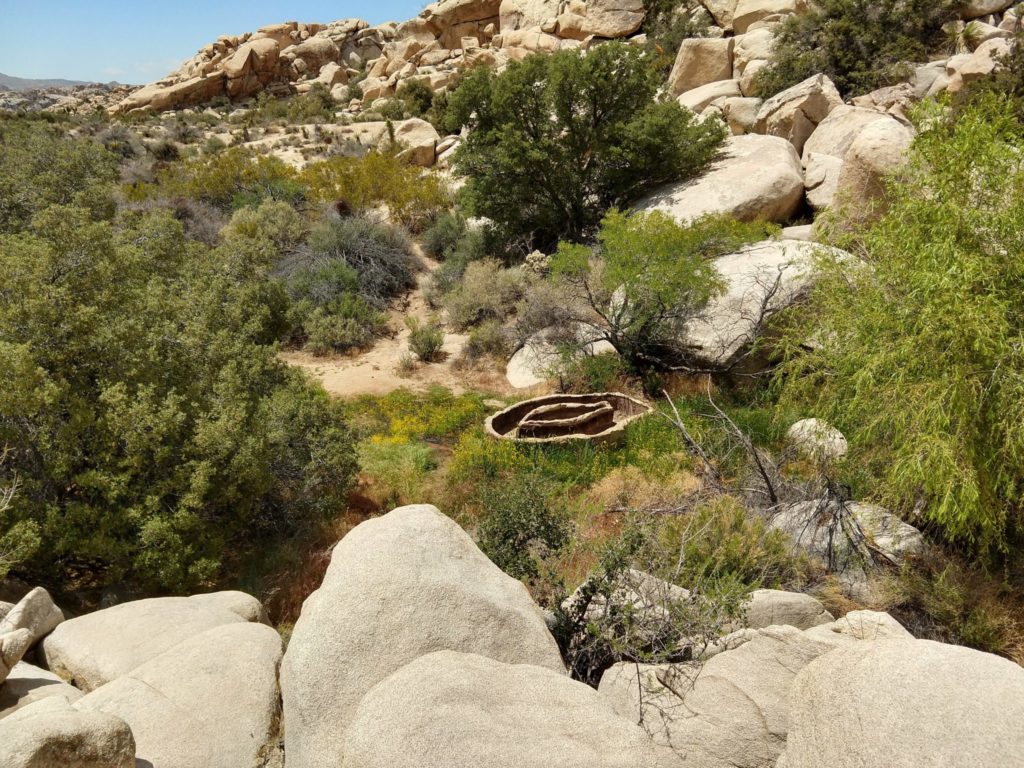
(560, 418)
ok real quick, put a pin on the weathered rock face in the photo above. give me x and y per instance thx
(465, 711)
(420, 141)
(757, 177)
(13, 646)
(773, 607)
(27, 684)
(700, 98)
(762, 280)
(850, 539)
(906, 704)
(209, 702)
(796, 112)
(398, 587)
(982, 62)
(732, 710)
(878, 150)
(749, 12)
(600, 18)
(700, 61)
(52, 733)
(524, 14)
(99, 647)
(972, 9)
(35, 612)
(721, 11)
(825, 150)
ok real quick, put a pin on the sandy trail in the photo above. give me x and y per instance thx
(377, 371)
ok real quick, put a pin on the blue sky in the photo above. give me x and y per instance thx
(136, 42)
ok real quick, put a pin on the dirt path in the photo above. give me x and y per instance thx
(378, 370)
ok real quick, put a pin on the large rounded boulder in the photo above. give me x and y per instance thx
(398, 587)
(463, 711)
(907, 704)
(756, 177)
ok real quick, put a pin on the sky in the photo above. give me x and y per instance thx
(142, 40)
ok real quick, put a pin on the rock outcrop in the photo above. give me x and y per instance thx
(817, 440)
(99, 647)
(52, 733)
(906, 704)
(398, 587)
(464, 711)
(35, 612)
(27, 684)
(756, 177)
(795, 113)
(211, 701)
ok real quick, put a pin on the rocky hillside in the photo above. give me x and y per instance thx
(417, 651)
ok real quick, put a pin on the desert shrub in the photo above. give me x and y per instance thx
(425, 339)
(1006, 81)
(667, 23)
(339, 325)
(415, 96)
(39, 167)
(920, 363)
(522, 525)
(164, 150)
(487, 291)
(860, 44)
(153, 430)
(19, 539)
(489, 339)
(315, 105)
(649, 277)
(441, 237)
(273, 222)
(120, 141)
(378, 254)
(412, 196)
(213, 145)
(591, 373)
(556, 140)
(228, 180)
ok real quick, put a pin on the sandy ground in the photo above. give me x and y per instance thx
(378, 370)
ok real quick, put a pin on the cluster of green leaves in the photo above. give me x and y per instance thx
(357, 184)
(860, 44)
(920, 360)
(150, 424)
(39, 167)
(648, 278)
(557, 140)
(1007, 80)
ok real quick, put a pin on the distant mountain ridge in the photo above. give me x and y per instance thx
(11, 83)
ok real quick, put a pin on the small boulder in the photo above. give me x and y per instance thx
(817, 440)
(756, 177)
(211, 701)
(420, 141)
(795, 113)
(51, 733)
(35, 612)
(27, 684)
(399, 586)
(98, 647)
(749, 12)
(907, 704)
(772, 607)
(465, 711)
(13, 646)
(699, 98)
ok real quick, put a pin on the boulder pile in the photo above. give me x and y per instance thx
(417, 650)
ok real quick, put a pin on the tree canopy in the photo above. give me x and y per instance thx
(556, 140)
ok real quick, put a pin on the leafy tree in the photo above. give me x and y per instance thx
(151, 427)
(919, 356)
(860, 44)
(556, 140)
(647, 279)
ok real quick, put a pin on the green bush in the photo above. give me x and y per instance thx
(415, 96)
(919, 360)
(151, 426)
(487, 291)
(521, 525)
(490, 339)
(39, 168)
(556, 140)
(647, 280)
(441, 238)
(425, 339)
(860, 44)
